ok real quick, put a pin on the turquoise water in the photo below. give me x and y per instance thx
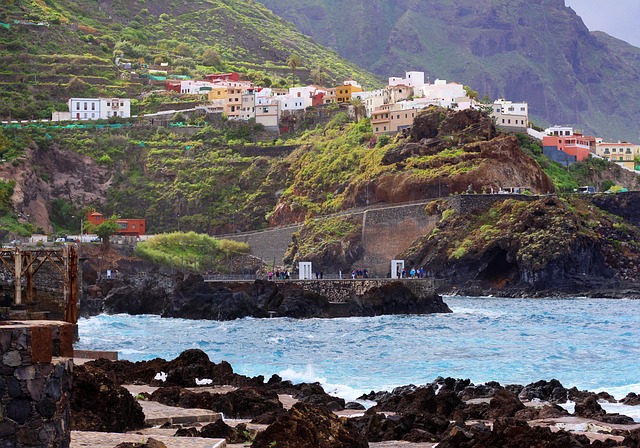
(593, 344)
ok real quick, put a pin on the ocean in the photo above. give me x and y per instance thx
(593, 344)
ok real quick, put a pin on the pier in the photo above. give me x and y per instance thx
(39, 282)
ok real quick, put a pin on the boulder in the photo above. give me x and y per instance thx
(552, 391)
(544, 412)
(631, 399)
(97, 404)
(590, 408)
(245, 402)
(308, 426)
(220, 430)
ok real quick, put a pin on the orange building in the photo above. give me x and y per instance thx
(566, 140)
(130, 227)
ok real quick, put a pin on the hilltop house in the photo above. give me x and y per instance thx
(94, 109)
(623, 153)
(564, 145)
(510, 116)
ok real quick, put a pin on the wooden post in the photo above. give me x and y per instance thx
(17, 276)
(29, 275)
(71, 261)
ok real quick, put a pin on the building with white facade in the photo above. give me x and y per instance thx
(512, 116)
(99, 108)
(192, 87)
(443, 90)
(411, 79)
(623, 153)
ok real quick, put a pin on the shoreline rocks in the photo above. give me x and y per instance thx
(451, 412)
(193, 298)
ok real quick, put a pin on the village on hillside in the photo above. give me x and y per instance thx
(391, 110)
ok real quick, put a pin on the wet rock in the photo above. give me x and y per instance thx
(307, 426)
(590, 408)
(315, 394)
(552, 391)
(97, 404)
(354, 406)
(631, 399)
(423, 400)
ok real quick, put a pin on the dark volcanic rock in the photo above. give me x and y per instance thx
(150, 443)
(246, 402)
(97, 404)
(631, 399)
(307, 426)
(220, 429)
(315, 394)
(535, 413)
(552, 391)
(445, 404)
(590, 408)
(182, 371)
(511, 433)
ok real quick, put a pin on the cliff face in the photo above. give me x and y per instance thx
(537, 51)
(546, 246)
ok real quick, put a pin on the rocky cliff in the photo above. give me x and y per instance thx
(547, 246)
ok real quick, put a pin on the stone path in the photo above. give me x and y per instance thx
(109, 440)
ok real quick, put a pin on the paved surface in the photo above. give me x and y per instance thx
(109, 440)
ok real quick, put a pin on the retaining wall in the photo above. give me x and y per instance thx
(35, 384)
(341, 291)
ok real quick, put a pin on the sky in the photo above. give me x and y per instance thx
(619, 18)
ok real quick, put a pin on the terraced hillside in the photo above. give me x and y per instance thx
(52, 49)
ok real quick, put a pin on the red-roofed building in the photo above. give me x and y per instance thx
(130, 227)
(233, 76)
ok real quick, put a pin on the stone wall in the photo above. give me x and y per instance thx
(465, 203)
(35, 383)
(269, 245)
(390, 231)
(341, 291)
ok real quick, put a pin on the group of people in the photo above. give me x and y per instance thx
(284, 275)
(359, 273)
(413, 273)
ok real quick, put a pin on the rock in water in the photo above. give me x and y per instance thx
(306, 426)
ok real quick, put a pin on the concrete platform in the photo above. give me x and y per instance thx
(81, 439)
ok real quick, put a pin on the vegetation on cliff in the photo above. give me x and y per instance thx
(543, 243)
(194, 251)
(73, 55)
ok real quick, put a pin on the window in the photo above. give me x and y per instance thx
(133, 226)
(109, 104)
(123, 225)
(509, 121)
(503, 121)
(376, 128)
(613, 150)
(385, 128)
(77, 106)
(522, 109)
(93, 106)
(85, 106)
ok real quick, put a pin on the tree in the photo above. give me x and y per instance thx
(210, 57)
(359, 109)
(317, 74)
(184, 50)
(293, 63)
(471, 93)
(105, 229)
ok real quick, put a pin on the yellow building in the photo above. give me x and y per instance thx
(217, 93)
(343, 92)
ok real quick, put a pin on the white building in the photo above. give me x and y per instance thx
(443, 91)
(192, 87)
(514, 117)
(99, 108)
(371, 99)
(411, 79)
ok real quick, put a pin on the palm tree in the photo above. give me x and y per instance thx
(359, 109)
(293, 63)
(317, 74)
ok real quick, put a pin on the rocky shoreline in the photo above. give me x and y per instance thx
(449, 412)
(193, 298)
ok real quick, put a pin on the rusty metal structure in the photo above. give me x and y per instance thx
(26, 266)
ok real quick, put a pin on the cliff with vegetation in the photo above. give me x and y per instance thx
(548, 246)
(536, 51)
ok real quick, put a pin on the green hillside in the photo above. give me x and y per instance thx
(537, 51)
(72, 51)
